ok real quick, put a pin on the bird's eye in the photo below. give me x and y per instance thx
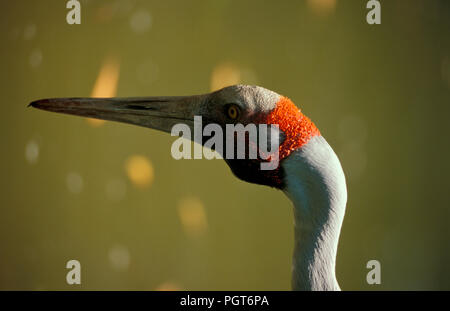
(233, 111)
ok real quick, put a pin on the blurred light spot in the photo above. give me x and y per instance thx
(169, 286)
(35, 58)
(119, 257)
(74, 182)
(223, 75)
(353, 128)
(116, 189)
(106, 83)
(192, 216)
(445, 70)
(95, 122)
(105, 13)
(29, 32)
(322, 7)
(139, 170)
(141, 21)
(32, 152)
(354, 160)
(147, 72)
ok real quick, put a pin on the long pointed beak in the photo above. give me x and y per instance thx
(159, 113)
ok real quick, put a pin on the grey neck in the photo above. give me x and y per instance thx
(314, 259)
(316, 186)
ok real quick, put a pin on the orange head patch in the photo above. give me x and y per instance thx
(297, 127)
(298, 130)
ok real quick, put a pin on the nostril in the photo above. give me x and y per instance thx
(138, 107)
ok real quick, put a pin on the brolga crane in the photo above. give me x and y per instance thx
(309, 171)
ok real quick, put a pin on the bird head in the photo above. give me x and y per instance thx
(238, 104)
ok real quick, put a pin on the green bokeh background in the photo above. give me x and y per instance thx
(378, 93)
